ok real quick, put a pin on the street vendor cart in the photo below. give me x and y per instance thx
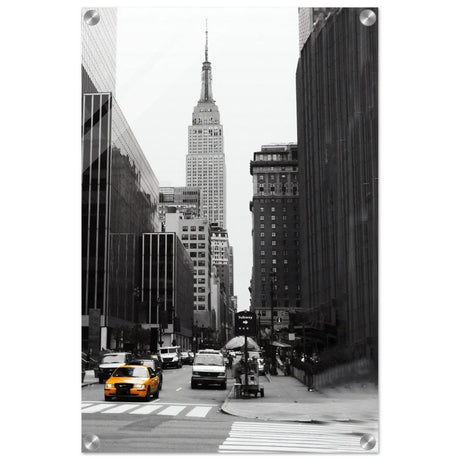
(249, 381)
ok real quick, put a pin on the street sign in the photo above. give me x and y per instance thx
(245, 323)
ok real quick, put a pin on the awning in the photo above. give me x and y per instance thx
(281, 345)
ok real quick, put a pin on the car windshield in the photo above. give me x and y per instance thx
(113, 359)
(131, 372)
(209, 360)
(168, 350)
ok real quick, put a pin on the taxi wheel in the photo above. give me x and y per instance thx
(108, 398)
(157, 393)
(147, 395)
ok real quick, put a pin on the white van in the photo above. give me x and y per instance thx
(170, 357)
(209, 368)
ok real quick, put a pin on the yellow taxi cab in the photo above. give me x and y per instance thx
(132, 381)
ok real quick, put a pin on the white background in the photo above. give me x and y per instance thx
(40, 245)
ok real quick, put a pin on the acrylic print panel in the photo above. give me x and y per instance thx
(230, 164)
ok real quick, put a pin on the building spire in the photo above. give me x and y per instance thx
(206, 49)
(206, 77)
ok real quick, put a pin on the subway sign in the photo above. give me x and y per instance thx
(245, 323)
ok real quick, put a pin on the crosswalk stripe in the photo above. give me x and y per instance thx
(147, 409)
(96, 408)
(199, 411)
(166, 409)
(120, 408)
(172, 410)
(259, 437)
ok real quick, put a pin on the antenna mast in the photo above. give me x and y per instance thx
(206, 49)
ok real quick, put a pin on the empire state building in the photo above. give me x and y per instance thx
(205, 158)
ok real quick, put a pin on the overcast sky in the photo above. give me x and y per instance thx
(253, 52)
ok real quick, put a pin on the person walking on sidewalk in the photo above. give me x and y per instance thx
(308, 366)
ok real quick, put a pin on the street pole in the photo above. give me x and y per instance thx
(259, 315)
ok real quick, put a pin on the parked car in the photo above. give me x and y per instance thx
(209, 368)
(110, 362)
(170, 357)
(132, 381)
(208, 351)
(155, 364)
(191, 355)
(186, 358)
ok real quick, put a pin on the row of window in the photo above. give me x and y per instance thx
(273, 217)
(262, 243)
(193, 236)
(195, 246)
(274, 235)
(193, 228)
(273, 209)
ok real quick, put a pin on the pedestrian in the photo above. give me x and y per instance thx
(309, 373)
(239, 370)
(230, 361)
(287, 365)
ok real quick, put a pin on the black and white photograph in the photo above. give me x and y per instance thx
(230, 230)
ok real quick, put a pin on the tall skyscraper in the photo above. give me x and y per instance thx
(337, 132)
(205, 158)
(99, 51)
(308, 19)
(276, 234)
(120, 194)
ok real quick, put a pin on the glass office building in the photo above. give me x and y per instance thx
(120, 196)
(167, 290)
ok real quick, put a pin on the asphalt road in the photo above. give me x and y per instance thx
(183, 420)
(180, 420)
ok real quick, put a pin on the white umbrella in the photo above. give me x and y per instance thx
(238, 342)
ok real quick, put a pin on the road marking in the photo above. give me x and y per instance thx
(199, 411)
(147, 409)
(277, 437)
(96, 408)
(172, 410)
(85, 405)
(120, 408)
(180, 388)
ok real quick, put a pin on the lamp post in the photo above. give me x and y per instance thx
(259, 315)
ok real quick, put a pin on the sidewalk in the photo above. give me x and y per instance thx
(89, 379)
(287, 399)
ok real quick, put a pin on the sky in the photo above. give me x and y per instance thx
(253, 52)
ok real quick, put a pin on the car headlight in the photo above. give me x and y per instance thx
(175, 358)
(109, 385)
(139, 385)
